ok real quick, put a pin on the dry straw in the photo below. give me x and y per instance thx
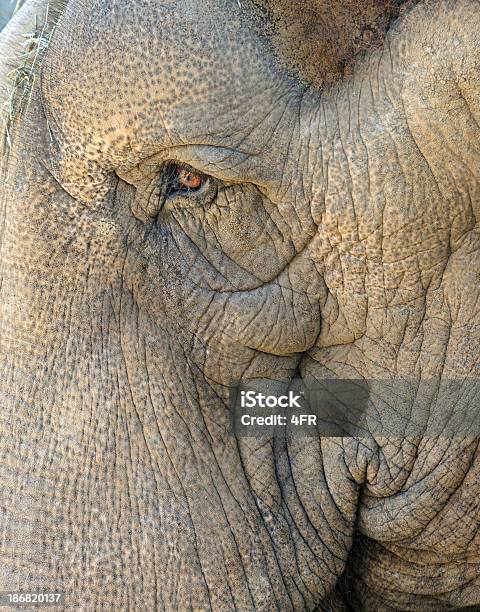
(22, 77)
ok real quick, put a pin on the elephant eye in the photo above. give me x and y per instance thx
(180, 185)
(188, 180)
(181, 179)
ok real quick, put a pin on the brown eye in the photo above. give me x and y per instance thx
(178, 180)
(188, 180)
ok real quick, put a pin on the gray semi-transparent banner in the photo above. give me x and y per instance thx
(342, 408)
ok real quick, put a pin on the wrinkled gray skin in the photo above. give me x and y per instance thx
(342, 241)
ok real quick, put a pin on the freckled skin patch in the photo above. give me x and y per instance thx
(328, 36)
(202, 210)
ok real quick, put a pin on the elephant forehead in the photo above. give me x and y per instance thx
(154, 73)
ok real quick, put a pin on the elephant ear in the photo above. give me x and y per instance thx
(320, 39)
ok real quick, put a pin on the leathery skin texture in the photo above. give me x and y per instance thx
(204, 191)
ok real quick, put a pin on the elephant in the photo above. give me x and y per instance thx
(197, 193)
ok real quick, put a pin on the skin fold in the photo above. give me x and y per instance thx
(335, 236)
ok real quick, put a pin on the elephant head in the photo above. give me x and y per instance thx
(197, 192)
